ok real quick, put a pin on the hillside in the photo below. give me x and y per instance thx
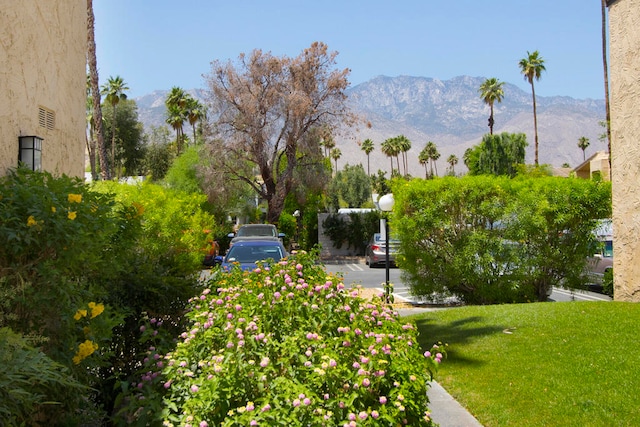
(452, 115)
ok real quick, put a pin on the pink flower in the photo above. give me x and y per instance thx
(383, 400)
(204, 424)
(362, 415)
(296, 403)
(194, 388)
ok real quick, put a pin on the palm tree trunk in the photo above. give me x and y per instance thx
(95, 90)
(491, 120)
(535, 124)
(368, 171)
(606, 80)
(115, 171)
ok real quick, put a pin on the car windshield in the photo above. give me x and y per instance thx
(256, 231)
(250, 254)
(380, 241)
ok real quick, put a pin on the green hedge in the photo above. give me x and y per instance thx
(495, 240)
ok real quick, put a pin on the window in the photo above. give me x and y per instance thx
(30, 152)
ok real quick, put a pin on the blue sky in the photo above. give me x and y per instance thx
(157, 44)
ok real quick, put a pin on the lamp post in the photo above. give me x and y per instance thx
(386, 205)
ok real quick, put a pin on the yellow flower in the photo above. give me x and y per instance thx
(96, 309)
(80, 314)
(31, 221)
(53, 209)
(139, 208)
(74, 198)
(72, 216)
(85, 350)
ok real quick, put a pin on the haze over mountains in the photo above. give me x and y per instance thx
(451, 114)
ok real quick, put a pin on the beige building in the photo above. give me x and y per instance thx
(42, 84)
(624, 77)
(595, 166)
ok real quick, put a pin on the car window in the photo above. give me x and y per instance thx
(250, 254)
(256, 231)
(380, 241)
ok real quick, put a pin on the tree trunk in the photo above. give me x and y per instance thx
(95, 90)
(491, 120)
(115, 172)
(535, 124)
(606, 80)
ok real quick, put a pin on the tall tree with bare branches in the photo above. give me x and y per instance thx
(95, 92)
(264, 108)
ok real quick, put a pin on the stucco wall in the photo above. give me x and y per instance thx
(624, 76)
(43, 68)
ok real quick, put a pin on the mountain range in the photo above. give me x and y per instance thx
(451, 114)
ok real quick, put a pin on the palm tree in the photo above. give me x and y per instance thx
(328, 144)
(176, 103)
(389, 149)
(367, 146)
(404, 145)
(491, 91)
(95, 91)
(532, 67)
(453, 161)
(423, 158)
(114, 93)
(432, 154)
(335, 155)
(583, 143)
(195, 113)
(606, 79)
(434, 158)
(90, 137)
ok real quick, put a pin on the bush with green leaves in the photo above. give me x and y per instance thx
(31, 383)
(491, 239)
(81, 268)
(55, 240)
(355, 229)
(158, 266)
(287, 344)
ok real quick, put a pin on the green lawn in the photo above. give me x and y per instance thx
(541, 364)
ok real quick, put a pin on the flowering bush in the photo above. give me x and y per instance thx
(288, 345)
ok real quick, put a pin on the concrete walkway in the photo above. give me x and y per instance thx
(445, 410)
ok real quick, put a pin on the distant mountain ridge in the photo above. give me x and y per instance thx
(451, 114)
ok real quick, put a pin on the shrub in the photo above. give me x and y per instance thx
(496, 240)
(607, 282)
(80, 269)
(355, 229)
(288, 345)
(31, 383)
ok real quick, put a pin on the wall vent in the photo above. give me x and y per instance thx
(46, 118)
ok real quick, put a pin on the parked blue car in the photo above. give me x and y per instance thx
(245, 253)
